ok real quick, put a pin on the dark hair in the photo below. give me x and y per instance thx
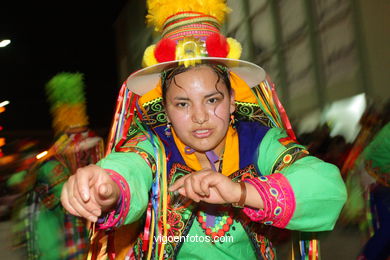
(168, 75)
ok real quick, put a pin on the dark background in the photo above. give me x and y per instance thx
(51, 37)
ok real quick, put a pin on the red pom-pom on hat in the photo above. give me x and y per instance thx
(165, 50)
(217, 46)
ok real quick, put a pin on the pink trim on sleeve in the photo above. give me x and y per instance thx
(116, 217)
(278, 197)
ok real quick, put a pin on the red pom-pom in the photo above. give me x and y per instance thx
(226, 227)
(229, 221)
(217, 46)
(165, 50)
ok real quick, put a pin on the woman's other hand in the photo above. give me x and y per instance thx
(89, 192)
(208, 186)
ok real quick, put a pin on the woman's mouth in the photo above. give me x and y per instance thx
(202, 133)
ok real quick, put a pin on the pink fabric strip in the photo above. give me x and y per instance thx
(278, 197)
(117, 217)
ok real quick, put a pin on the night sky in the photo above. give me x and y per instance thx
(51, 37)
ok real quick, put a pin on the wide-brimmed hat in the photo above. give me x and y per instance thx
(190, 31)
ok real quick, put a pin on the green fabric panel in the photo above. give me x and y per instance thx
(378, 151)
(137, 174)
(239, 245)
(319, 192)
(49, 232)
(318, 187)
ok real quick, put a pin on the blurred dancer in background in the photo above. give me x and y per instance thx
(51, 232)
(377, 164)
(367, 173)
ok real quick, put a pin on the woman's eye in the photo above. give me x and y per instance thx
(213, 100)
(181, 105)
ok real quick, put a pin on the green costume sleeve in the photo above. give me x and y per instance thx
(137, 174)
(318, 188)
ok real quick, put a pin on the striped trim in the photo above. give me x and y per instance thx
(198, 28)
(197, 21)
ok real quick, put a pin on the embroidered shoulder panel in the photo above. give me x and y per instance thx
(293, 153)
(251, 112)
(154, 113)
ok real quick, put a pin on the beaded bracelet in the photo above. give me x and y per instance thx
(117, 216)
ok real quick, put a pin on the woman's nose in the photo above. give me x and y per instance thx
(200, 115)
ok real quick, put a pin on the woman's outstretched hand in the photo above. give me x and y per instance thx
(208, 186)
(89, 192)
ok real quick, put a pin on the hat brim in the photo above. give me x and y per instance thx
(144, 80)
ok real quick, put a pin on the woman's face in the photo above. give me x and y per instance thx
(199, 108)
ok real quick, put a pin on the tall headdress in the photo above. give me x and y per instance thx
(191, 35)
(65, 93)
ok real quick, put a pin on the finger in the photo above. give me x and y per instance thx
(65, 201)
(105, 191)
(79, 206)
(84, 176)
(91, 205)
(106, 196)
(189, 191)
(182, 191)
(195, 183)
(178, 183)
(204, 186)
(208, 181)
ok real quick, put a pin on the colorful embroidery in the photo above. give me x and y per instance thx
(266, 249)
(154, 113)
(292, 154)
(243, 174)
(278, 198)
(251, 112)
(175, 224)
(179, 212)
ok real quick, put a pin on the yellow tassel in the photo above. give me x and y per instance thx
(160, 10)
(149, 59)
(235, 49)
(66, 116)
